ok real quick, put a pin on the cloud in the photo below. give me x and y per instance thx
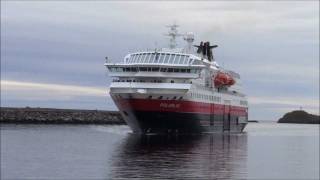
(48, 45)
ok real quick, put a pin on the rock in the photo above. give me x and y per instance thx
(300, 117)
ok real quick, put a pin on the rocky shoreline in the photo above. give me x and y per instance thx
(58, 116)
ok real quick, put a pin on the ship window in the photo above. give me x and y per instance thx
(163, 69)
(175, 70)
(181, 60)
(184, 59)
(180, 98)
(171, 59)
(188, 60)
(172, 81)
(183, 70)
(174, 97)
(176, 59)
(132, 57)
(167, 56)
(170, 70)
(150, 97)
(161, 58)
(152, 58)
(155, 69)
(143, 69)
(157, 57)
(160, 97)
(143, 57)
(146, 59)
(137, 59)
(149, 68)
(188, 70)
(134, 69)
(217, 99)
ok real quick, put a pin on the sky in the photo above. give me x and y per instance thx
(52, 52)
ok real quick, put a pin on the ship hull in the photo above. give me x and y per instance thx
(163, 116)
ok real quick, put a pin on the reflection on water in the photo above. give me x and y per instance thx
(265, 151)
(207, 156)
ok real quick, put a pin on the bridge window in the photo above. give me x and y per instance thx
(142, 58)
(132, 57)
(152, 58)
(171, 58)
(177, 60)
(136, 59)
(157, 57)
(183, 60)
(146, 58)
(161, 58)
(166, 59)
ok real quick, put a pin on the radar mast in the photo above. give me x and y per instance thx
(173, 33)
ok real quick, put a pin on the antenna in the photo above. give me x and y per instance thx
(189, 37)
(173, 33)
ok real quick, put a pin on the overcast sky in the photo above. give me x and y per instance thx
(52, 53)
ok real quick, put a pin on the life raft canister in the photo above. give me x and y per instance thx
(223, 79)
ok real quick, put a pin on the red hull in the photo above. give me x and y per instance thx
(180, 106)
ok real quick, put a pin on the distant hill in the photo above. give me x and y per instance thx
(300, 117)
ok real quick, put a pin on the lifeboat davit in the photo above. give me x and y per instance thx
(223, 79)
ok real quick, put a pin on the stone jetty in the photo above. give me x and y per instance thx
(59, 116)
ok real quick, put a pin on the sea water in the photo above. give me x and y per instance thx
(263, 151)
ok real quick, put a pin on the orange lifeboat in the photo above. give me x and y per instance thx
(223, 79)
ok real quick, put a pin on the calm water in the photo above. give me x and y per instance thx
(264, 151)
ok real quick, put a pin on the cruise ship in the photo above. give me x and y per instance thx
(178, 90)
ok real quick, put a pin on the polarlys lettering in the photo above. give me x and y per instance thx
(169, 105)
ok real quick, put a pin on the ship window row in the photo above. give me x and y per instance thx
(159, 58)
(245, 103)
(206, 97)
(153, 69)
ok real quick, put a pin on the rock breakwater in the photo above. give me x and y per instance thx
(59, 116)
